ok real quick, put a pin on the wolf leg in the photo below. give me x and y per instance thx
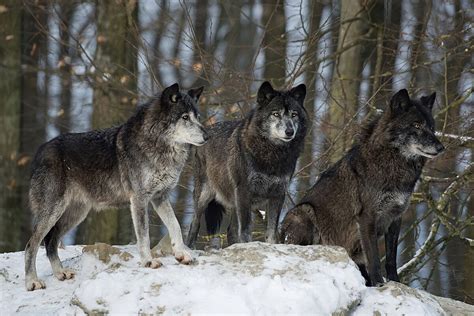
(273, 211)
(369, 245)
(202, 197)
(166, 213)
(70, 219)
(391, 244)
(232, 229)
(46, 220)
(365, 274)
(140, 223)
(243, 215)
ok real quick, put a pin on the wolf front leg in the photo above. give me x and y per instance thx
(165, 211)
(273, 210)
(243, 215)
(368, 235)
(391, 244)
(140, 223)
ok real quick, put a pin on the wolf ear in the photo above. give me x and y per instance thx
(299, 93)
(428, 101)
(195, 93)
(265, 93)
(400, 101)
(171, 94)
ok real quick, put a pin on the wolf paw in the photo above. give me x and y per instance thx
(183, 255)
(65, 274)
(153, 263)
(36, 284)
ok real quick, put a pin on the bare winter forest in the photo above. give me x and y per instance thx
(72, 66)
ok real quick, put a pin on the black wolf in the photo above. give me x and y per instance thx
(138, 162)
(247, 164)
(364, 194)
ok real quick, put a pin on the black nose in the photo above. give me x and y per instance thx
(439, 147)
(289, 132)
(205, 136)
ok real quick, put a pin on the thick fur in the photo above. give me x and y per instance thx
(247, 164)
(138, 162)
(363, 195)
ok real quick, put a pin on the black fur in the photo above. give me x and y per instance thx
(138, 162)
(248, 163)
(363, 195)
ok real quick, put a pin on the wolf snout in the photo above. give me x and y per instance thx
(439, 148)
(289, 132)
(205, 136)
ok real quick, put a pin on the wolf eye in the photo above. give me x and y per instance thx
(276, 114)
(417, 125)
(185, 117)
(294, 114)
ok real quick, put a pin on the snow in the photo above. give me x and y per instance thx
(254, 278)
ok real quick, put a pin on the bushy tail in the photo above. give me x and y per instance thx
(297, 227)
(213, 215)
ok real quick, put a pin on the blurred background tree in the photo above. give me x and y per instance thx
(70, 66)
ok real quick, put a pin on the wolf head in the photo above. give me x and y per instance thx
(411, 127)
(182, 115)
(280, 115)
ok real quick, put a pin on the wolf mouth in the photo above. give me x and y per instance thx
(428, 154)
(287, 139)
(199, 144)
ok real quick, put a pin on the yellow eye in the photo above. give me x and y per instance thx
(294, 114)
(276, 114)
(185, 117)
(417, 125)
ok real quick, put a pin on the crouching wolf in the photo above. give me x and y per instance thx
(364, 194)
(138, 162)
(247, 164)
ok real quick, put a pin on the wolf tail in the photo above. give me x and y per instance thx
(297, 227)
(213, 215)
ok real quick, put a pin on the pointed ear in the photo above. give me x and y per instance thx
(171, 94)
(429, 101)
(299, 93)
(400, 101)
(265, 93)
(195, 93)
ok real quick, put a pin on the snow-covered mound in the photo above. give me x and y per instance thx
(254, 278)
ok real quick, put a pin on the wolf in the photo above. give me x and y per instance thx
(363, 195)
(247, 164)
(138, 162)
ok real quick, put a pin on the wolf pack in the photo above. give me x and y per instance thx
(239, 166)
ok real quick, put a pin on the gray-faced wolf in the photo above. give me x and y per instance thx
(137, 162)
(247, 164)
(363, 195)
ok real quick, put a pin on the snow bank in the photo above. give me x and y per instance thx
(254, 278)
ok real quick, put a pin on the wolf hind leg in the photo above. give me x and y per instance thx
(202, 197)
(45, 222)
(232, 229)
(73, 215)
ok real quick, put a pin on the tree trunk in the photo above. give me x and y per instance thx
(311, 70)
(343, 104)
(114, 100)
(64, 119)
(12, 215)
(275, 41)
